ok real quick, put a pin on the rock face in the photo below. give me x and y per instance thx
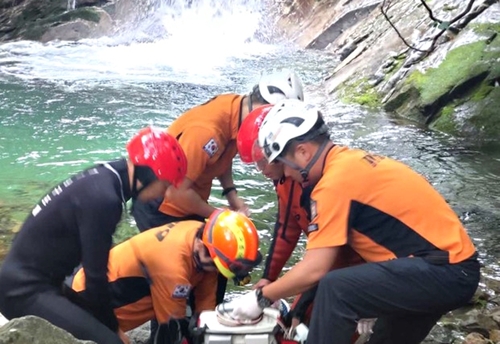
(99, 23)
(49, 20)
(436, 64)
(34, 330)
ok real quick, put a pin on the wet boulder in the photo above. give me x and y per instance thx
(35, 330)
(52, 19)
(87, 22)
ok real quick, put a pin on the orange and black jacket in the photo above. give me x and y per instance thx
(293, 218)
(151, 275)
(384, 210)
(207, 134)
(294, 211)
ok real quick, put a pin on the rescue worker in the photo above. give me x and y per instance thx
(74, 224)
(292, 219)
(421, 261)
(151, 274)
(207, 133)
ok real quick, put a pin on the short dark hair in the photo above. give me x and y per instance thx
(256, 96)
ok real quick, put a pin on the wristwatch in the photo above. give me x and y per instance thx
(262, 301)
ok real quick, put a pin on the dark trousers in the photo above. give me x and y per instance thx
(47, 302)
(407, 295)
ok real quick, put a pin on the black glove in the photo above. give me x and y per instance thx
(172, 332)
(299, 310)
(196, 334)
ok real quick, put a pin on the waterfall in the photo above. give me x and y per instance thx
(71, 5)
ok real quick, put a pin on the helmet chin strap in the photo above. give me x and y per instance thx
(249, 102)
(198, 263)
(305, 171)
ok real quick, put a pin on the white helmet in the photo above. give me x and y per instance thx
(286, 121)
(281, 85)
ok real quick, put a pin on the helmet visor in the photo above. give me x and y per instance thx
(243, 267)
(240, 267)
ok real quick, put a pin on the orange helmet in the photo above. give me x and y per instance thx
(249, 131)
(233, 243)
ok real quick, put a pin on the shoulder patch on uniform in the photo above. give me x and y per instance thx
(314, 209)
(313, 227)
(211, 147)
(181, 291)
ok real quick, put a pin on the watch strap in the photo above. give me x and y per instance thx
(263, 301)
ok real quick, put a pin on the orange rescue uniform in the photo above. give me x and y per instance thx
(207, 134)
(350, 205)
(292, 220)
(151, 274)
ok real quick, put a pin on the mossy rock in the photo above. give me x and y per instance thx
(446, 121)
(487, 117)
(458, 96)
(478, 115)
(485, 29)
(359, 92)
(460, 65)
(477, 118)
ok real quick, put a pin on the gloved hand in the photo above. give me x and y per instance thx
(246, 307)
(365, 326)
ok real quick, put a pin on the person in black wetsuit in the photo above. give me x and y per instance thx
(74, 224)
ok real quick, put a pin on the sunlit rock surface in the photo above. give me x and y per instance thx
(446, 75)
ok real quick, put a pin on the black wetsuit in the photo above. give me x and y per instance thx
(72, 224)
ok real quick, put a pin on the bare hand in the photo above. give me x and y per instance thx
(263, 282)
(237, 204)
(123, 337)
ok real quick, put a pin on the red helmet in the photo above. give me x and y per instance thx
(162, 153)
(249, 130)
